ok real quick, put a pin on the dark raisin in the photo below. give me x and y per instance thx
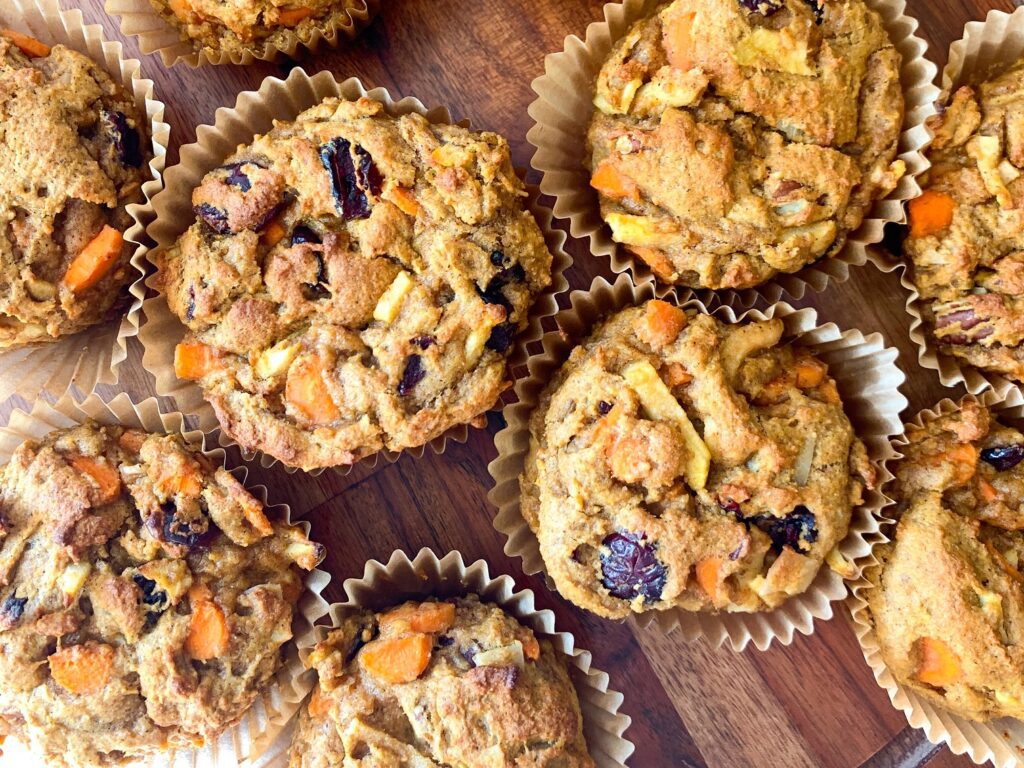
(182, 532)
(763, 7)
(631, 569)
(367, 173)
(349, 196)
(498, 258)
(603, 407)
(126, 139)
(501, 337)
(819, 10)
(493, 293)
(444, 641)
(1003, 457)
(317, 290)
(215, 218)
(797, 530)
(423, 342)
(413, 375)
(367, 631)
(150, 594)
(303, 234)
(12, 609)
(237, 177)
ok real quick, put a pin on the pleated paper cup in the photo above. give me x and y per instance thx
(253, 114)
(986, 49)
(387, 584)
(563, 110)
(867, 377)
(156, 35)
(93, 355)
(1000, 742)
(262, 723)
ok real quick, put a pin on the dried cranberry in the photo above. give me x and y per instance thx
(493, 293)
(237, 177)
(732, 507)
(501, 338)
(150, 594)
(604, 407)
(631, 569)
(763, 7)
(423, 342)
(413, 375)
(797, 530)
(126, 139)
(303, 234)
(1003, 457)
(12, 609)
(215, 218)
(349, 184)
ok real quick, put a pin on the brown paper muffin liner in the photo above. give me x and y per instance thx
(987, 48)
(563, 110)
(274, 708)
(254, 113)
(1000, 742)
(401, 578)
(868, 379)
(140, 19)
(93, 355)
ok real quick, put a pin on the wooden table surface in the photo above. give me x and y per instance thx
(813, 703)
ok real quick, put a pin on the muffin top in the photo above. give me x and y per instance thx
(949, 607)
(676, 461)
(145, 595)
(73, 153)
(967, 228)
(249, 25)
(457, 683)
(353, 282)
(736, 139)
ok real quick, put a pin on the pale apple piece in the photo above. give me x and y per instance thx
(390, 302)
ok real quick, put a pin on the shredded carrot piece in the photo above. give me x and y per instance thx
(94, 261)
(930, 213)
(28, 45)
(106, 477)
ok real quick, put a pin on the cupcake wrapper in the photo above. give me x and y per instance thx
(563, 110)
(1000, 742)
(253, 114)
(985, 49)
(93, 355)
(271, 712)
(868, 379)
(402, 578)
(140, 19)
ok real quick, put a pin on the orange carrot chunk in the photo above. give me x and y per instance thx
(610, 181)
(194, 360)
(930, 213)
(131, 440)
(253, 512)
(95, 260)
(707, 576)
(273, 234)
(809, 372)
(319, 705)
(677, 37)
(963, 457)
(675, 375)
(28, 45)
(405, 199)
(180, 8)
(938, 665)
(531, 648)
(656, 259)
(398, 659)
(289, 17)
(987, 491)
(82, 668)
(430, 618)
(662, 323)
(106, 477)
(308, 392)
(208, 629)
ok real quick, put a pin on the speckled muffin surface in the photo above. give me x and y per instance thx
(457, 683)
(73, 154)
(247, 26)
(679, 462)
(733, 140)
(948, 608)
(145, 595)
(353, 282)
(966, 240)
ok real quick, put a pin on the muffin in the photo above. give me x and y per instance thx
(457, 683)
(145, 595)
(966, 239)
(948, 607)
(73, 150)
(354, 281)
(679, 462)
(737, 139)
(254, 26)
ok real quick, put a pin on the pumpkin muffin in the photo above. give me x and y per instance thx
(679, 462)
(948, 606)
(145, 596)
(966, 239)
(251, 26)
(73, 154)
(456, 683)
(736, 139)
(354, 281)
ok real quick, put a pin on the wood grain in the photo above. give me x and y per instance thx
(814, 703)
